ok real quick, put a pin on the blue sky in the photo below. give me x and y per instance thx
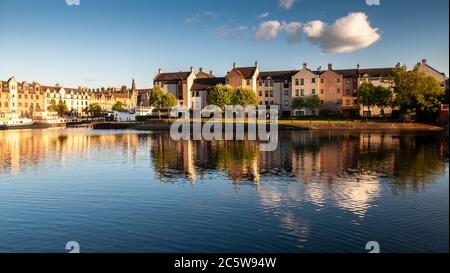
(107, 42)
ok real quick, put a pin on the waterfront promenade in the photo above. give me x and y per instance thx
(294, 125)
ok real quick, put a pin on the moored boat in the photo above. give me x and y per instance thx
(12, 120)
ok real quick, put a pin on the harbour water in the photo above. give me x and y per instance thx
(129, 191)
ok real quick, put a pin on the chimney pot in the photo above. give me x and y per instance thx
(192, 69)
(160, 70)
(234, 65)
(424, 61)
(358, 66)
(330, 66)
(211, 72)
(256, 64)
(305, 65)
(200, 69)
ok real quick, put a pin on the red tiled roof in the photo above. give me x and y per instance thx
(246, 72)
(277, 75)
(206, 83)
(172, 76)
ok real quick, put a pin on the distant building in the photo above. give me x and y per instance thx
(27, 98)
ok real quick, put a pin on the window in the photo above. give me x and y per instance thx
(266, 83)
(297, 92)
(260, 93)
(313, 80)
(321, 80)
(355, 102)
(313, 91)
(271, 83)
(339, 90)
(260, 83)
(321, 91)
(347, 91)
(271, 94)
(286, 92)
(37, 97)
(31, 96)
(26, 97)
(20, 104)
(303, 92)
(286, 103)
(297, 82)
(347, 102)
(267, 94)
(20, 96)
(338, 79)
(321, 102)
(339, 102)
(302, 81)
(248, 82)
(347, 81)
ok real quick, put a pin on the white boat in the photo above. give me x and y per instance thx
(14, 121)
(51, 119)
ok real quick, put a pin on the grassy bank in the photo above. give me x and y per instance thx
(164, 125)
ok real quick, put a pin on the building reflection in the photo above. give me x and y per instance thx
(347, 167)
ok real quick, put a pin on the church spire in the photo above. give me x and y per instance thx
(133, 85)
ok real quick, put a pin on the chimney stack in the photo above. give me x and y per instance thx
(256, 64)
(160, 70)
(424, 62)
(234, 65)
(200, 69)
(330, 66)
(358, 66)
(211, 73)
(192, 69)
(305, 65)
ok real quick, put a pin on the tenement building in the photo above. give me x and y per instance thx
(336, 88)
(26, 98)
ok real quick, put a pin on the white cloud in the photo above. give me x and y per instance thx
(196, 17)
(227, 32)
(264, 15)
(269, 30)
(293, 31)
(286, 4)
(210, 13)
(345, 35)
(193, 19)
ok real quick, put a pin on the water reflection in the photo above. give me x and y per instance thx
(316, 186)
(326, 158)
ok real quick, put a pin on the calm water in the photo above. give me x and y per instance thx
(126, 191)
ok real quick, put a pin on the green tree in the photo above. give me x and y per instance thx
(222, 95)
(169, 100)
(382, 97)
(159, 99)
(244, 97)
(52, 107)
(155, 97)
(418, 95)
(313, 103)
(118, 106)
(366, 95)
(62, 108)
(298, 103)
(94, 110)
